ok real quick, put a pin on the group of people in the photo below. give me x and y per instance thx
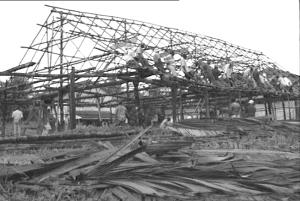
(48, 125)
(222, 73)
(235, 109)
(122, 117)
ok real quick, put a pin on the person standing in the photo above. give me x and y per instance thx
(121, 112)
(17, 115)
(250, 109)
(234, 109)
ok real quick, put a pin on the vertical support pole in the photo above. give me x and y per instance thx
(111, 114)
(4, 110)
(174, 101)
(137, 100)
(207, 104)
(60, 101)
(40, 117)
(269, 104)
(72, 100)
(181, 107)
(274, 110)
(195, 45)
(127, 83)
(99, 109)
(56, 116)
(297, 109)
(266, 109)
(283, 109)
(289, 106)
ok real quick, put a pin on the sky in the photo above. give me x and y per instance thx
(269, 26)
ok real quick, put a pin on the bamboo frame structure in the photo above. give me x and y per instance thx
(94, 46)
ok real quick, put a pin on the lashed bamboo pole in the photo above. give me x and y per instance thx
(72, 101)
(68, 137)
(283, 110)
(60, 92)
(4, 111)
(174, 103)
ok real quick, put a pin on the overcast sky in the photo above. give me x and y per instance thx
(270, 26)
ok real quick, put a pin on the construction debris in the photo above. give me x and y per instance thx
(150, 166)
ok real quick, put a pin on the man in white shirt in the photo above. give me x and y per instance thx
(171, 63)
(185, 68)
(130, 54)
(285, 83)
(17, 115)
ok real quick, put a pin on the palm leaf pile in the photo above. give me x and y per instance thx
(244, 133)
(157, 171)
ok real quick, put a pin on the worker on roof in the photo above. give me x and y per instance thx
(274, 81)
(170, 61)
(285, 83)
(265, 82)
(206, 71)
(139, 55)
(158, 62)
(248, 76)
(216, 72)
(187, 70)
(256, 74)
(228, 70)
(129, 54)
(129, 57)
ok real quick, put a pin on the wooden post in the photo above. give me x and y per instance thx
(266, 109)
(181, 107)
(56, 117)
(137, 100)
(289, 106)
(269, 105)
(274, 110)
(111, 115)
(174, 101)
(72, 106)
(207, 104)
(99, 109)
(297, 109)
(283, 109)
(4, 110)
(40, 123)
(127, 83)
(60, 101)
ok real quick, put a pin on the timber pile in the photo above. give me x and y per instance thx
(173, 168)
